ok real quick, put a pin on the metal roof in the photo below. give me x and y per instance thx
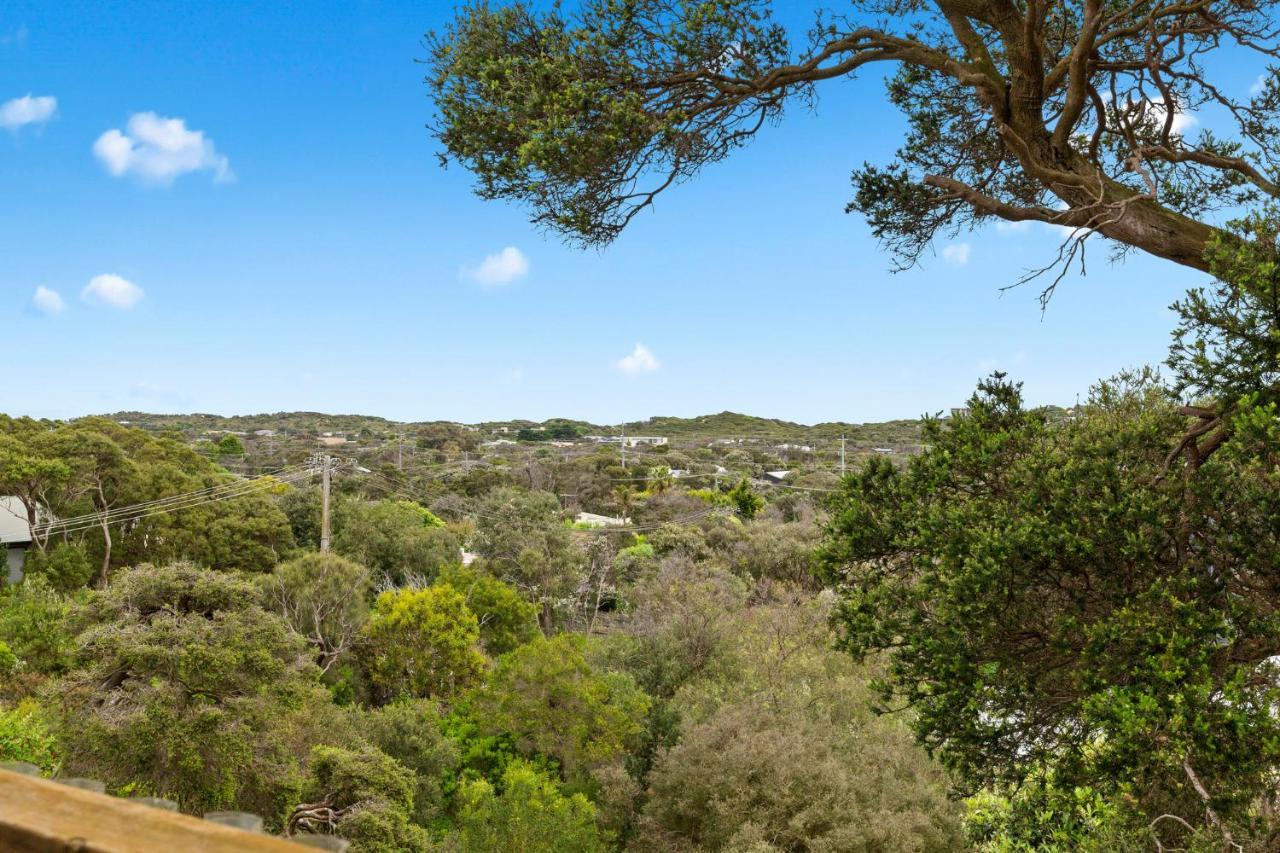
(13, 522)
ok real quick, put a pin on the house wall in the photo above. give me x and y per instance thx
(13, 564)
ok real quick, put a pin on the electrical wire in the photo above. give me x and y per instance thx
(190, 500)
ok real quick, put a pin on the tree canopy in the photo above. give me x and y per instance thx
(1064, 113)
(1061, 608)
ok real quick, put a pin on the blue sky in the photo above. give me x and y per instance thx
(305, 251)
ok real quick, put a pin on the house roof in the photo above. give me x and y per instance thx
(13, 522)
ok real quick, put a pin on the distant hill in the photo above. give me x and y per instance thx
(721, 425)
(736, 425)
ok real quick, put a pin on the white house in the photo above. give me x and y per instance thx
(591, 519)
(15, 537)
(629, 440)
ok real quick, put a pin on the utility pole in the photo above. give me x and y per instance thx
(842, 456)
(400, 452)
(325, 478)
(623, 444)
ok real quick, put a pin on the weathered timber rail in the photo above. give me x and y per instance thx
(40, 816)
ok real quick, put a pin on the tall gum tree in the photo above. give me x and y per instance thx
(1023, 110)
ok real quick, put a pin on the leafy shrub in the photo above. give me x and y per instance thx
(369, 797)
(65, 566)
(422, 642)
(530, 814)
(506, 620)
(25, 736)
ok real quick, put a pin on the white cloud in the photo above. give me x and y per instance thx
(26, 110)
(500, 268)
(957, 254)
(641, 360)
(47, 301)
(1259, 84)
(156, 150)
(1004, 226)
(113, 291)
(1182, 121)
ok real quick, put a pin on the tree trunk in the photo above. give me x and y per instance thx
(106, 535)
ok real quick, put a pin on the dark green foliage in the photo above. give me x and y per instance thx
(230, 445)
(506, 620)
(547, 697)
(745, 501)
(65, 566)
(1055, 596)
(550, 432)
(552, 112)
(323, 597)
(1226, 348)
(398, 540)
(186, 688)
(363, 795)
(523, 536)
(410, 732)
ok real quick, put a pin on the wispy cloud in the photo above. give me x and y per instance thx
(156, 150)
(500, 268)
(47, 301)
(641, 360)
(1259, 84)
(16, 37)
(112, 291)
(27, 110)
(957, 254)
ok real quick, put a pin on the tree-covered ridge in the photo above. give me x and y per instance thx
(720, 425)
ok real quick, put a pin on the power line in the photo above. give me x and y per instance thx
(112, 518)
(233, 484)
(136, 512)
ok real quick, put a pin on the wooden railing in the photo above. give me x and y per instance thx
(41, 816)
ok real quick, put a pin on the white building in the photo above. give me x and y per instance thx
(15, 537)
(629, 440)
(591, 519)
